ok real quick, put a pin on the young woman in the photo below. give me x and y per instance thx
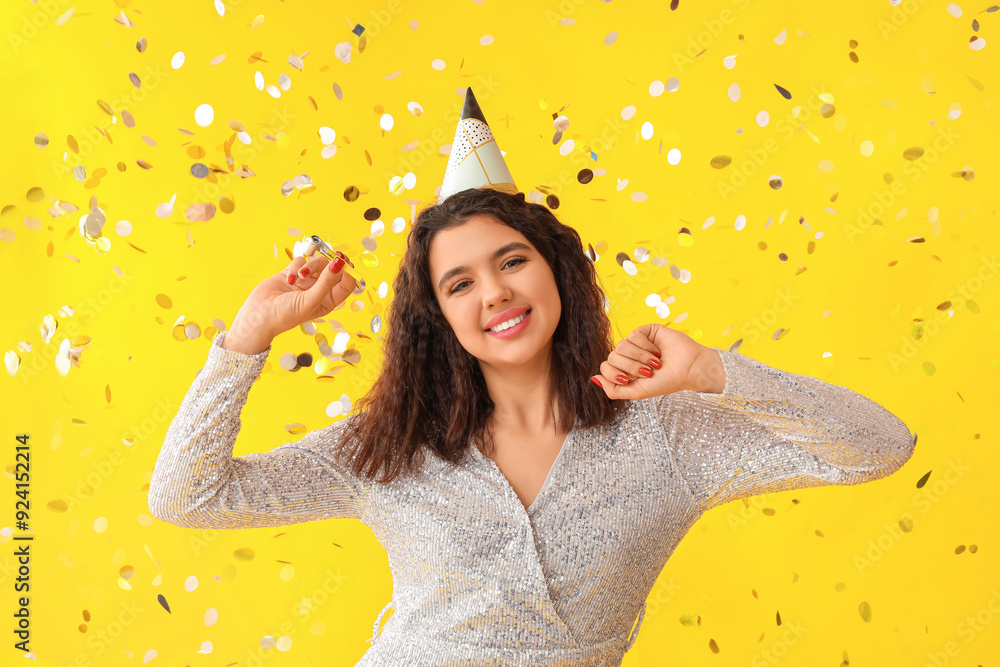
(526, 512)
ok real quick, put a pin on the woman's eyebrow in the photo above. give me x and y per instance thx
(499, 252)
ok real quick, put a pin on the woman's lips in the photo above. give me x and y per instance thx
(514, 330)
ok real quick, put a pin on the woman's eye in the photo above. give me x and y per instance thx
(516, 260)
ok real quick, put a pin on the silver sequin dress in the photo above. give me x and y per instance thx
(479, 580)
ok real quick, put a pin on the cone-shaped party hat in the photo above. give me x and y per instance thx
(475, 160)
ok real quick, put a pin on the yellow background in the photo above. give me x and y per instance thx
(865, 309)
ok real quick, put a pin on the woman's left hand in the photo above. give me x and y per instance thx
(621, 375)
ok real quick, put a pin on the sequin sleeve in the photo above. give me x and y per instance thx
(771, 430)
(197, 483)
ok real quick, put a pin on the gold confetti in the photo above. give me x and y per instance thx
(865, 610)
(691, 619)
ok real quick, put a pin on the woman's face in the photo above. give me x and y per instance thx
(477, 274)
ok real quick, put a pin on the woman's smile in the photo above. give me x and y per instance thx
(510, 332)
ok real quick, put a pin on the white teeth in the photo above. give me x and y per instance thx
(509, 323)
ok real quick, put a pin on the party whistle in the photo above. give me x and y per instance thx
(314, 244)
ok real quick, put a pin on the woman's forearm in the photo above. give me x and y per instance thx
(247, 335)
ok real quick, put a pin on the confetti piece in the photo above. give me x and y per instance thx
(200, 212)
(257, 22)
(165, 209)
(204, 115)
(66, 16)
(163, 603)
(784, 93)
(734, 92)
(343, 52)
(177, 60)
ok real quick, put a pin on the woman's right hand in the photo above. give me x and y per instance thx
(275, 305)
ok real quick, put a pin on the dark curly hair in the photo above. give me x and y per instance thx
(430, 392)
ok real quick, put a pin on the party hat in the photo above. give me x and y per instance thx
(475, 160)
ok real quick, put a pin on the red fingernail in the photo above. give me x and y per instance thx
(305, 271)
(336, 265)
(290, 279)
(654, 363)
(622, 379)
(657, 354)
(645, 371)
(594, 379)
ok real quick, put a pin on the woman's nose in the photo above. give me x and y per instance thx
(495, 293)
